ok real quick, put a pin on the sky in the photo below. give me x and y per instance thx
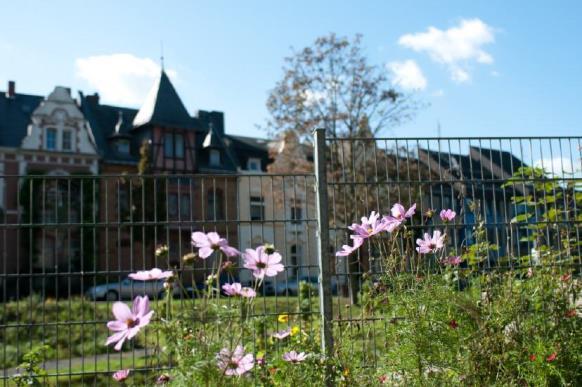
(482, 68)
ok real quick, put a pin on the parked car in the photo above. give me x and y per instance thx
(290, 287)
(129, 288)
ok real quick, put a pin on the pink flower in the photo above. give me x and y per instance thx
(128, 322)
(430, 245)
(369, 226)
(294, 357)
(210, 242)
(235, 363)
(347, 249)
(452, 260)
(247, 292)
(282, 334)
(150, 275)
(261, 263)
(235, 289)
(448, 215)
(399, 213)
(552, 357)
(121, 375)
(232, 289)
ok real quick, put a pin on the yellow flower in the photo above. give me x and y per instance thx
(295, 330)
(283, 318)
(346, 372)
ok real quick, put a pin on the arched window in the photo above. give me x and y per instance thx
(215, 204)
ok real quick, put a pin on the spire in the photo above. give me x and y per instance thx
(163, 107)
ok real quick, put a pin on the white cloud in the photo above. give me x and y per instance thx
(557, 167)
(454, 47)
(407, 75)
(120, 78)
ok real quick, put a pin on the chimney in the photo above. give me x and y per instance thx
(11, 92)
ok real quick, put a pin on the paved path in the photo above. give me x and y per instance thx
(64, 365)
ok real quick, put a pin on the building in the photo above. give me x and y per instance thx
(196, 177)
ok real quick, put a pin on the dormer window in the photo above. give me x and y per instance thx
(254, 164)
(214, 158)
(67, 144)
(122, 147)
(51, 139)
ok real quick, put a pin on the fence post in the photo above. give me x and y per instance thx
(325, 294)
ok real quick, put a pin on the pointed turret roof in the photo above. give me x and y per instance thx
(163, 107)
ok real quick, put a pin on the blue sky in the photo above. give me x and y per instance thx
(486, 68)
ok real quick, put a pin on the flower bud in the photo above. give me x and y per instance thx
(189, 258)
(162, 251)
(269, 248)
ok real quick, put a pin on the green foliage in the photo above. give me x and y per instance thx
(30, 370)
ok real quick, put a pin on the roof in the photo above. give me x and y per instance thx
(459, 166)
(163, 107)
(15, 115)
(104, 120)
(506, 161)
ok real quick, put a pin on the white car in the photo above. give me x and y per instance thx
(129, 289)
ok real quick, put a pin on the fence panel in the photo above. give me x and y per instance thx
(69, 242)
(514, 198)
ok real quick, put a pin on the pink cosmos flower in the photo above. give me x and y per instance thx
(347, 249)
(430, 244)
(294, 357)
(235, 363)
(247, 292)
(452, 260)
(369, 227)
(398, 215)
(150, 275)
(235, 289)
(128, 322)
(282, 334)
(120, 375)
(448, 215)
(261, 263)
(210, 242)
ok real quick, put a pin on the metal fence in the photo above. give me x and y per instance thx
(521, 193)
(67, 242)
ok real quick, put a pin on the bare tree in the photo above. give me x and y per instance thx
(331, 84)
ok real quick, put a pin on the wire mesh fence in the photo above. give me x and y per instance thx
(517, 206)
(68, 242)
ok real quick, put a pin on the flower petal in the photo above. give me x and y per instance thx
(121, 311)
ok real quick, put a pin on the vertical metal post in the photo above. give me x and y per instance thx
(325, 294)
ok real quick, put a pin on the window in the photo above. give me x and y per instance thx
(179, 145)
(51, 139)
(295, 259)
(67, 140)
(214, 205)
(173, 206)
(254, 164)
(214, 158)
(257, 208)
(185, 206)
(122, 147)
(296, 213)
(168, 145)
(173, 145)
